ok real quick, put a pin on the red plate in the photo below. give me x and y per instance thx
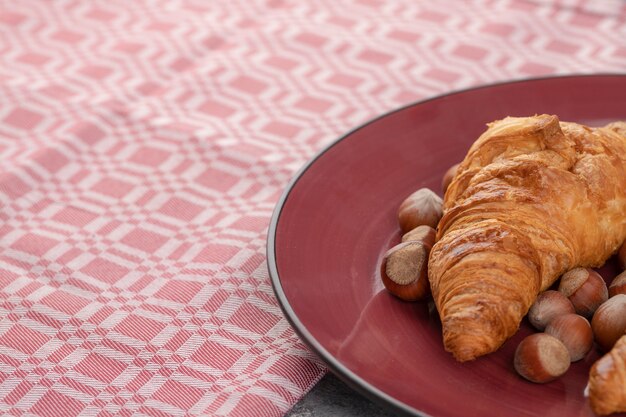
(338, 216)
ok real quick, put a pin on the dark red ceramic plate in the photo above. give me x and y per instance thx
(338, 216)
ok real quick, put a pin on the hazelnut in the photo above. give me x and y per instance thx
(448, 177)
(421, 207)
(618, 286)
(575, 333)
(621, 256)
(585, 288)
(404, 271)
(541, 358)
(609, 322)
(548, 305)
(423, 233)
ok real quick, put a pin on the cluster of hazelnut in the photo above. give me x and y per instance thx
(563, 318)
(404, 269)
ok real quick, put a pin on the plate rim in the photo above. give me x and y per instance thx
(341, 371)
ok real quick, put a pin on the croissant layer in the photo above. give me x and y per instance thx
(533, 198)
(607, 381)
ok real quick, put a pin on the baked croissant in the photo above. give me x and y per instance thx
(533, 198)
(607, 381)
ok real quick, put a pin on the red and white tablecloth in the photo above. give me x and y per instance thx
(144, 144)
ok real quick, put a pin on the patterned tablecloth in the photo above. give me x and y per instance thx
(144, 143)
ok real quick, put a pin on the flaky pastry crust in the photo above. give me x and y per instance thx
(607, 381)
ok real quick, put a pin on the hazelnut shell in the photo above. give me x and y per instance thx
(541, 358)
(618, 285)
(448, 177)
(548, 305)
(585, 288)
(404, 271)
(423, 233)
(575, 333)
(423, 207)
(609, 322)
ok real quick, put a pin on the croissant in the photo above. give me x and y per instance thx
(607, 381)
(533, 198)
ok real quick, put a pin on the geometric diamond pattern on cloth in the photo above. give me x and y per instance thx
(144, 144)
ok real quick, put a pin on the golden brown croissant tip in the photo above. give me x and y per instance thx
(463, 351)
(463, 339)
(464, 354)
